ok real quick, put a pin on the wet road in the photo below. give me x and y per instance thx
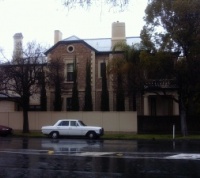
(97, 158)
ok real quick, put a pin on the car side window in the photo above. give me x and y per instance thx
(64, 123)
(73, 123)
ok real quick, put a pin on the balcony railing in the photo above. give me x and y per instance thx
(161, 83)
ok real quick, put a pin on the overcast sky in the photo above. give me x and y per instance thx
(37, 20)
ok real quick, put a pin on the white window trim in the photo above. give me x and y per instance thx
(70, 46)
(67, 61)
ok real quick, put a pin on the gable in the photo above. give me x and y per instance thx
(68, 43)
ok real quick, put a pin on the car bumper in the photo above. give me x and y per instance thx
(101, 133)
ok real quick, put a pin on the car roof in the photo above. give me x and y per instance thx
(69, 120)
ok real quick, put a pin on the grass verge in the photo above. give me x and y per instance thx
(120, 136)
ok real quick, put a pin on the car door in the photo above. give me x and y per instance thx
(63, 128)
(74, 128)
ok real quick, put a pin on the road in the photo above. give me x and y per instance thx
(30, 158)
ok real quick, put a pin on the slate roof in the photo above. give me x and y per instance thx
(103, 44)
(97, 44)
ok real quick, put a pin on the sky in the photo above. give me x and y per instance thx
(37, 20)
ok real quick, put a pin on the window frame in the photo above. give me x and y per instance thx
(70, 48)
(70, 74)
(100, 67)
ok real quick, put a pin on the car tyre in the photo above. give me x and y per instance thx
(91, 135)
(54, 135)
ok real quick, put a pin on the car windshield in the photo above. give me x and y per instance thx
(81, 123)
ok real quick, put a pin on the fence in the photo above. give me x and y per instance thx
(158, 124)
(110, 121)
(164, 124)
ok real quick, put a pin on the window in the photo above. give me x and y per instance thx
(69, 104)
(73, 123)
(70, 48)
(70, 70)
(34, 108)
(81, 123)
(102, 67)
(64, 123)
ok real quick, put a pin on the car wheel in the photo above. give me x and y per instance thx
(54, 135)
(91, 135)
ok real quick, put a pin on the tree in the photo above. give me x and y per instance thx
(170, 28)
(19, 78)
(104, 91)
(120, 98)
(129, 73)
(88, 95)
(87, 3)
(132, 69)
(56, 78)
(75, 99)
(115, 68)
(180, 26)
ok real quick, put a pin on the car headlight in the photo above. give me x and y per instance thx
(5, 129)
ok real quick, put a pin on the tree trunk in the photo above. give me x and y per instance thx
(25, 123)
(25, 112)
(134, 101)
(183, 117)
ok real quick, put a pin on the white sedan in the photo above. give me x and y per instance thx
(72, 127)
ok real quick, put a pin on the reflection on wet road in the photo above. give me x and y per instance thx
(98, 158)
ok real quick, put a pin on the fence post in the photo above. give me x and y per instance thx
(173, 131)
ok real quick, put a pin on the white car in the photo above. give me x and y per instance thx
(72, 127)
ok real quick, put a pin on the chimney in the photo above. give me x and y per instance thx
(18, 51)
(118, 32)
(57, 36)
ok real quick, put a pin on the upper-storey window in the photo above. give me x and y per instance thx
(70, 71)
(102, 68)
(70, 48)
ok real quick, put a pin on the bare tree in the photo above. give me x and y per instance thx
(121, 4)
(19, 78)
